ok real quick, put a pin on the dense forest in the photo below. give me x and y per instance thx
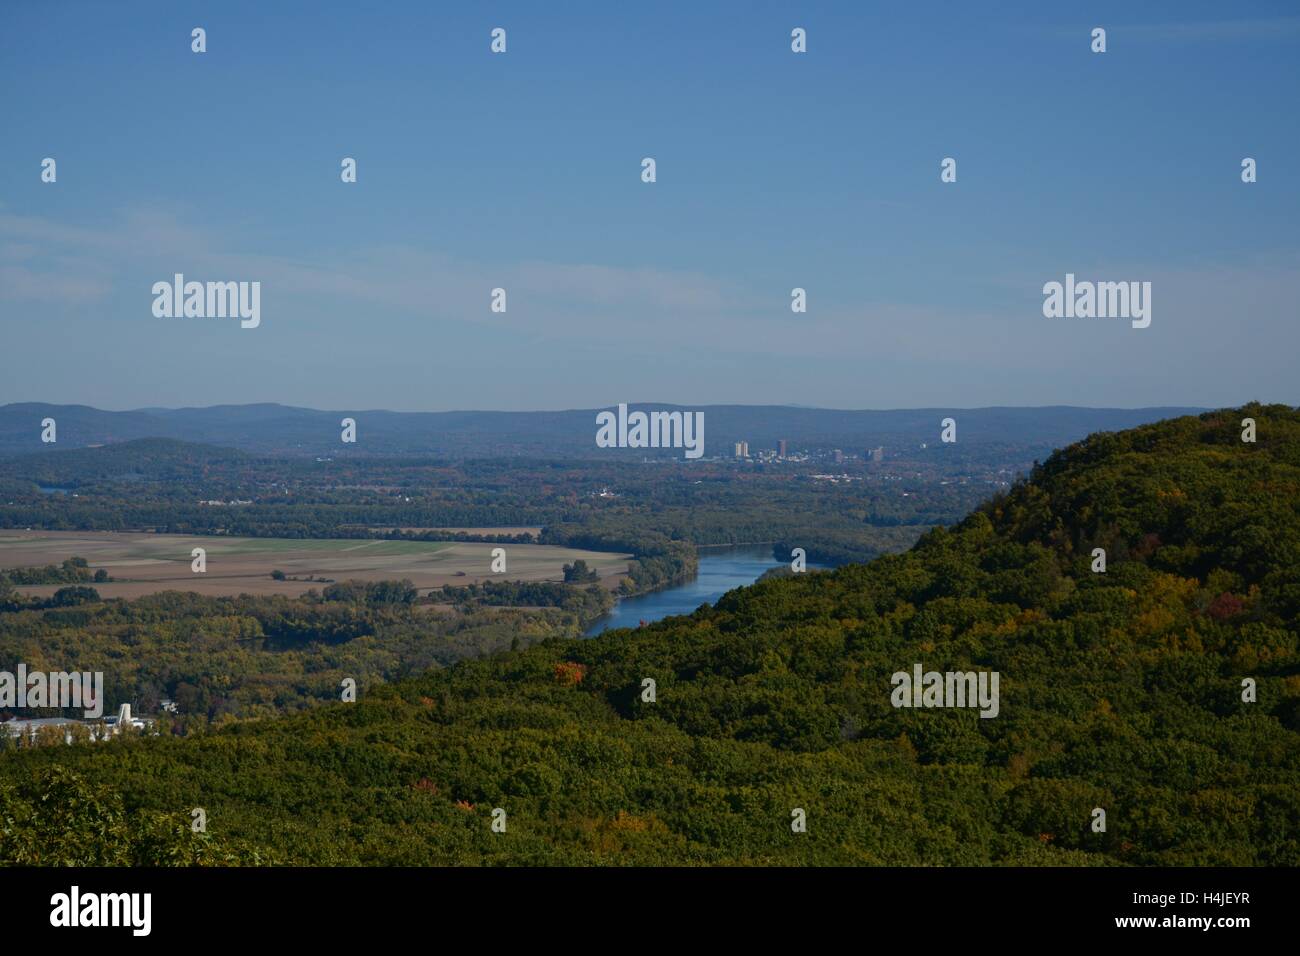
(1163, 690)
(248, 656)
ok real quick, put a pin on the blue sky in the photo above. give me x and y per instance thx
(775, 170)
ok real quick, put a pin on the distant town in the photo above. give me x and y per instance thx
(782, 453)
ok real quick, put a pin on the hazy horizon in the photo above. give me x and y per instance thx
(631, 403)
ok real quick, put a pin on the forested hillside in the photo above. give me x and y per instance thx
(1121, 690)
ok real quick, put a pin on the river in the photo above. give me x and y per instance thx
(721, 569)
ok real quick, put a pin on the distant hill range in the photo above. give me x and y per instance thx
(286, 430)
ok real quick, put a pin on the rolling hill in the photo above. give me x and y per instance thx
(284, 430)
(1163, 691)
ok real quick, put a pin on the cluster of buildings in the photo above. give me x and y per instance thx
(782, 453)
(29, 727)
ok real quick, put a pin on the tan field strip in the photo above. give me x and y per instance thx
(504, 530)
(142, 563)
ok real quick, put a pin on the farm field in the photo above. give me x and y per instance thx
(143, 563)
(502, 530)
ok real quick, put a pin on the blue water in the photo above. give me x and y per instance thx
(721, 569)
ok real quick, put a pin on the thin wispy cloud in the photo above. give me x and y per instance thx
(1269, 28)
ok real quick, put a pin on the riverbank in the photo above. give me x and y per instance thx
(721, 568)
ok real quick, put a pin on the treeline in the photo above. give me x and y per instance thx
(433, 534)
(589, 603)
(11, 600)
(72, 571)
(373, 593)
(658, 561)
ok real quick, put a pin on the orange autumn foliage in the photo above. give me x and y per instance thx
(569, 673)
